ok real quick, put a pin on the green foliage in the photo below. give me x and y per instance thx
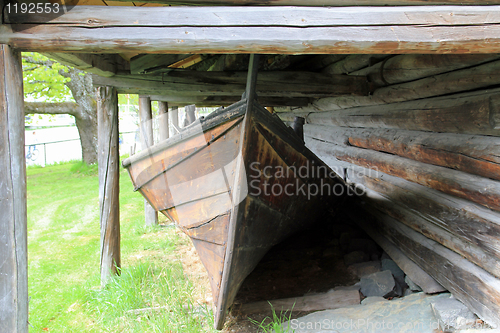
(274, 324)
(42, 79)
(63, 263)
(80, 167)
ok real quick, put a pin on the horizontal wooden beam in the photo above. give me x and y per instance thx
(320, 3)
(103, 65)
(482, 191)
(269, 84)
(472, 285)
(474, 154)
(176, 100)
(287, 30)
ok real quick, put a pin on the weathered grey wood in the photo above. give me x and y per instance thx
(409, 67)
(190, 114)
(176, 100)
(469, 79)
(467, 113)
(472, 285)
(270, 84)
(373, 30)
(434, 231)
(414, 272)
(109, 181)
(477, 155)
(98, 17)
(322, 3)
(163, 120)
(13, 211)
(174, 118)
(477, 189)
(154, 63)
(331, 300)
(352, 63)
(417, 205)
(103, 65)
(146, 129)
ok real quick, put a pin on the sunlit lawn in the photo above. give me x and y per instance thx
(63, 259)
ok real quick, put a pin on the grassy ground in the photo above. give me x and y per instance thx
(63, 259)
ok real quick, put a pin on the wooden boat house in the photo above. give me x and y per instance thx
(400, 97)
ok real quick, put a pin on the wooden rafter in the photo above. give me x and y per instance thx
(424, 29)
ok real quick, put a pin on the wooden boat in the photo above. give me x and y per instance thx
(220, 181)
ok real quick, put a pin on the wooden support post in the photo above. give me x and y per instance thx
(190, 114)
(109, 184)
(146, 117)
(13, 216)
(174, 118)
(163, 120)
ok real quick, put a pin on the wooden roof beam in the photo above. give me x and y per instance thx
(103, 65)
(271, 30)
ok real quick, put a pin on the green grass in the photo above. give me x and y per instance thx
(274, 324)
(63, 261)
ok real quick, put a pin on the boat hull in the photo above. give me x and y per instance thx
(236, 188)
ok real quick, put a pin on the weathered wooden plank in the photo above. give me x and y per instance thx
(163, 120)
(174, 117)
(109, 182)
(467, 113)
(93, 16)
(331, 300)
(176, 100)
(414, 272)
(190, 114)
(352, 63)
(472, 285)
(322, 3)
(13, 218)
(409, 67)
(154, 63)
(468, 79)
(270, 84)
(146, 129)
(103, 65)
(477, 189)
(477, 155)
(431, 230)
(467, 222)
(383, 39)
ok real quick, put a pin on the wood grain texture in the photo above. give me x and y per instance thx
(146, 129)
(411, 269)
(270, 84)
(288, 30)
(163, 127)
(322, 3)
(410, 67)
(467, 113)
(103, 65)
(109, 185)
(477, 189)
(13, 220)
(472, 285)
(474, 154)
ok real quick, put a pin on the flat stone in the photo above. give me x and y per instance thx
(412, 285)
(403, 315)
(355, 257)
(373, 299)
(389, 264)
(378, 284)
(365, 268)
(453, 314)
(353, 287)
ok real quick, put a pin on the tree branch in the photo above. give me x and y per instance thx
(52, 108)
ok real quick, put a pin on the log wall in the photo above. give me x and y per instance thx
(425, 150)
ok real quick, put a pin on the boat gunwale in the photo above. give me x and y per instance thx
(213, 120)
